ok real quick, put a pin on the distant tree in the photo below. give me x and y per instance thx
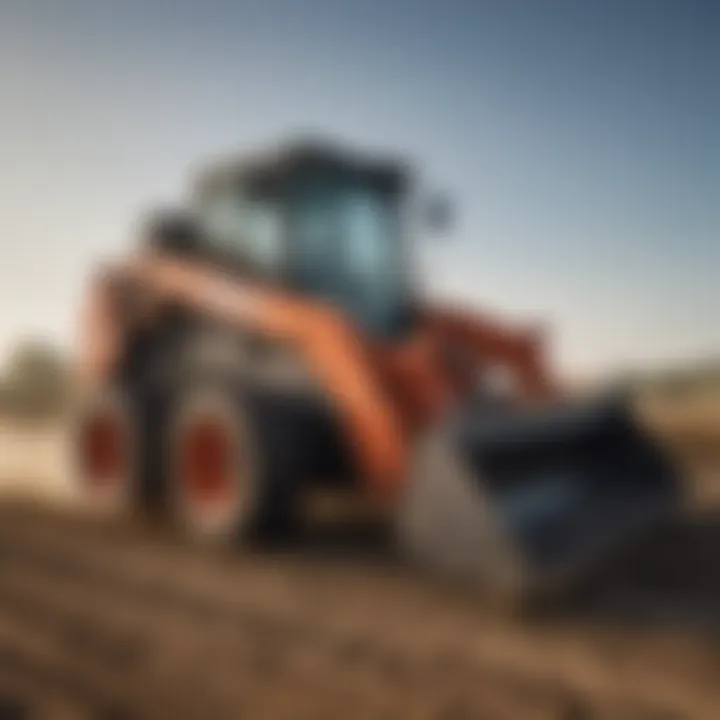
(35, 381)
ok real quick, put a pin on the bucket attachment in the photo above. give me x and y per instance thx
(527, 503)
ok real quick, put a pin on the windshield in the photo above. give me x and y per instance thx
(347, 248)
(248, 227)
(344, 241)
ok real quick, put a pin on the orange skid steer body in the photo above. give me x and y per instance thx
(354, 373)
(506, 484)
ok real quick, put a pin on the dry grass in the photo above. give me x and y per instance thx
(689, 425)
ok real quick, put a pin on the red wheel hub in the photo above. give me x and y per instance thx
(102, 450)
(207, 462)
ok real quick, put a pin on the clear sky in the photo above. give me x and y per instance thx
(580, 140)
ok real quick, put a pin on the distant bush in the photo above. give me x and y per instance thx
(35, 383)
(678, 383)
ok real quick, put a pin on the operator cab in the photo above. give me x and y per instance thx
(319, 221)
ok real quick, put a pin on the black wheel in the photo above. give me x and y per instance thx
(229, 460)
(106, 451)
(220, 448)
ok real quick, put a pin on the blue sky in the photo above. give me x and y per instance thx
(580, 141)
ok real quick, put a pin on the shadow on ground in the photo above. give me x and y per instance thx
(671, 580)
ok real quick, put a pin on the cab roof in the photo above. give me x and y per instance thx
(270, 170)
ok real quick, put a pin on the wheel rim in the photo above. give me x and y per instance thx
(209, 464)
(103, 452)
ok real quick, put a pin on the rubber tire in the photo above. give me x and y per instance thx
(265, 435)
(119, 402)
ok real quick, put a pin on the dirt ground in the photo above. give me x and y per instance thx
(115, 619)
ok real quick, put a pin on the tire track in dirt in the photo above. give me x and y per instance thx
(117, 618)
(60, 610)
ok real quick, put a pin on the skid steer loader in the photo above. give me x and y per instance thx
(269, 340)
